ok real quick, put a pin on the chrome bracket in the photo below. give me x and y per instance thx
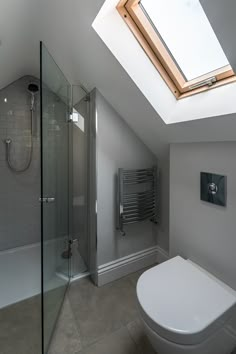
(47, 200)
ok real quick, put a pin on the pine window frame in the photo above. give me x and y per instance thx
(152, 44)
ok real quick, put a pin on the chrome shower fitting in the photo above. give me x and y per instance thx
(33, 90)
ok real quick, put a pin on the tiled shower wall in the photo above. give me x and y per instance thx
(19, 192)
(55, 165)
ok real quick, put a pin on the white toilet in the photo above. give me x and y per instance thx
(186, 310)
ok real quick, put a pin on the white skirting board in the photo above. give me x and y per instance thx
(123, 266)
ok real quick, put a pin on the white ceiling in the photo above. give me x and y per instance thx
(18, 54)
(65, 28)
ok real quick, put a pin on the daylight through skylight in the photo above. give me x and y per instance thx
(178, 38)
(187, 34)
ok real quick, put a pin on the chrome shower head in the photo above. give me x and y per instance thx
(33, 88)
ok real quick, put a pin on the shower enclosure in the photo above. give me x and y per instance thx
(43, 206)
(20, 234)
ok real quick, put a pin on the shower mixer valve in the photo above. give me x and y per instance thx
(8, 141)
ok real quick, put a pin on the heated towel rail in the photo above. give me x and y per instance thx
(137, 196)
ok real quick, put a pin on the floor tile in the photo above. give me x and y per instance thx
(135, 276)
(20, 327)
(102, 316)
(126, 294)
(66, 339)
(100, 311)
(53, 300)
(96, 310)
(119, 342)
(136, 332)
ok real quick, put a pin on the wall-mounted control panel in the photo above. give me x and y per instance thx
(213, 188)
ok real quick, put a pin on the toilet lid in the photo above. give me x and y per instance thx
(183, 303)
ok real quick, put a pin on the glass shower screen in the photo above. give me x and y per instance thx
(55, 109)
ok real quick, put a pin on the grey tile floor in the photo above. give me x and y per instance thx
(101, 320)
(20, 327)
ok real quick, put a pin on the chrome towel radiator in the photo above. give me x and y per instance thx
(137, 196)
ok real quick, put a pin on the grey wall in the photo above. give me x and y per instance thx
(221, 15)
(117, 147)
(201, 231)
(19, 205)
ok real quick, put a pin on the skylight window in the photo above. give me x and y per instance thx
(194, 45)
(179, 40)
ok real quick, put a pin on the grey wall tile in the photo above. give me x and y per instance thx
(19, 207)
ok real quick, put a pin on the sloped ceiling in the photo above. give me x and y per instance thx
(221, 14)
(18, 50)
(65, 28)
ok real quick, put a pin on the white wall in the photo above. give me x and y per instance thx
(163, 230)
(118, 147)
(203, 232)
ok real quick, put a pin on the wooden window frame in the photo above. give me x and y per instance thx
(157, 52)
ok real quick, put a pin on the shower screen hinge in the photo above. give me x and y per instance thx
(70, 118)
(87, 98)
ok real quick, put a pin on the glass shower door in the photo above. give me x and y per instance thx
(55, 196)
(80, 119)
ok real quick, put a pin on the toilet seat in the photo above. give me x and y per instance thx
(183, 303)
